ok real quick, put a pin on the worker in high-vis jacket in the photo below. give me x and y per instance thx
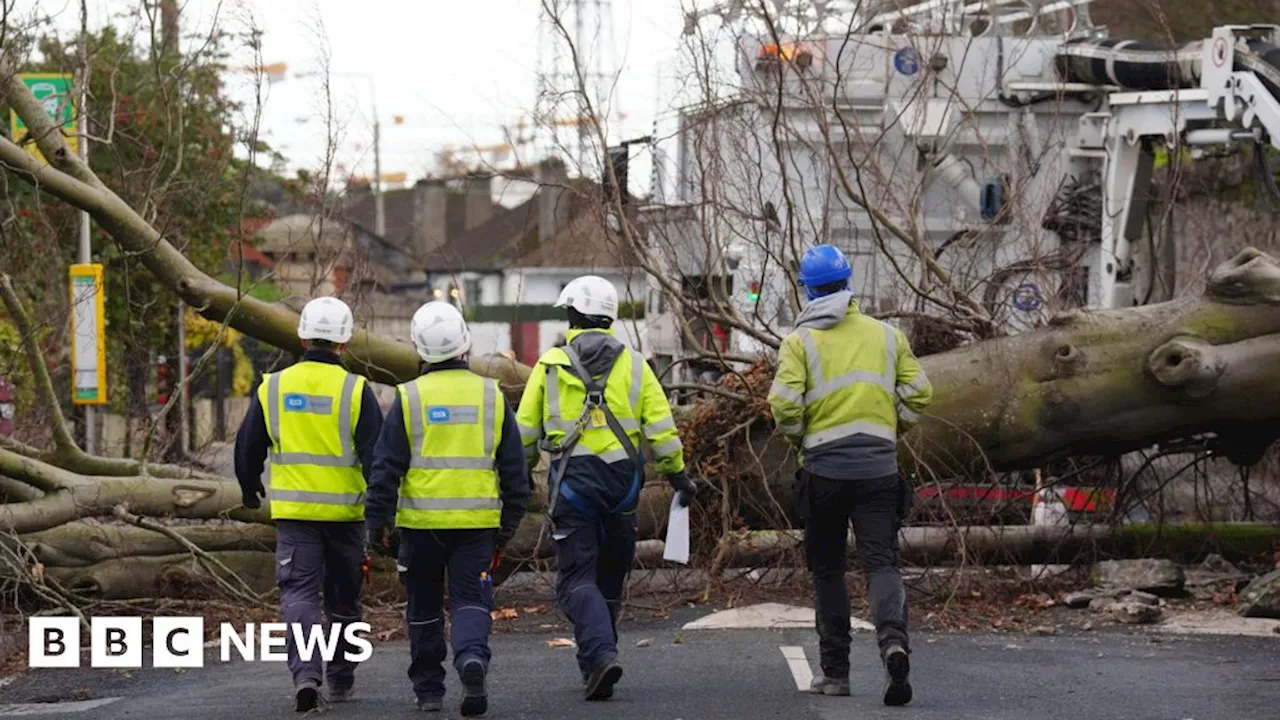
(317, 423)
(847, 386)
(450, 475)
(589, 405)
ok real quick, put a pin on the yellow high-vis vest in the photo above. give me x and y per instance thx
(554, 399)
(311, 411)
(858, 377)
(453, 419)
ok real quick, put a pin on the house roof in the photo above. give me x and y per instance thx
(491, 244)
(300, 233)
(585, 242)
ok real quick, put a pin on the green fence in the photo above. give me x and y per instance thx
(539, 313)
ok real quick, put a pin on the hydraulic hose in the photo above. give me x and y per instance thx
(1130, 64)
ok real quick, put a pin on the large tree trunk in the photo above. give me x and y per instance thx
(1027, 544)
(1092, 383)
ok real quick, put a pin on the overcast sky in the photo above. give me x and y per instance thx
(455, 70)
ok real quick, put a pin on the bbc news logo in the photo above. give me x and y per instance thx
(178, 642)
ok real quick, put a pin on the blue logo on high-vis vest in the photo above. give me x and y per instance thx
(295, 402)
(438, 414)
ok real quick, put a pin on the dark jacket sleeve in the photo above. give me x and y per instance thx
(513, 473)
(389, 464)
(252, 443)
(368, 429)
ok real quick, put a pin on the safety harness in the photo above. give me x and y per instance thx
(561, 451)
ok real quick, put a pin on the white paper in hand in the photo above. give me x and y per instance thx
(677, 547)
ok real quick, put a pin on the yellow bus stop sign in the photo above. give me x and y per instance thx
(53, 92)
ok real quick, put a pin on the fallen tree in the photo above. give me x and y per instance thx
(1092, 383)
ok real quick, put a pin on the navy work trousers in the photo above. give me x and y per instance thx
(594, 559)
(876, 507)
(318, 569)
(426, 555)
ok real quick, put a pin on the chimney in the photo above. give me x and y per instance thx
(430, 216)
(553, 198)
(478, 199)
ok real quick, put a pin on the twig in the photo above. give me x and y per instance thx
(209, 562)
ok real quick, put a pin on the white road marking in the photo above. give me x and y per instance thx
(56, 708)
(799, 665)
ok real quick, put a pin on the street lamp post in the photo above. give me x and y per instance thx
(379, 211)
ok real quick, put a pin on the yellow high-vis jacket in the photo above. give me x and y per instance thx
(554, 399)
(846, 383)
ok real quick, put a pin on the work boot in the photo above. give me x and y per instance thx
(342, 696)
(474, 700)
(897, 686)
(428, 705)
(823, 685)
(600, 683)
(306, 696)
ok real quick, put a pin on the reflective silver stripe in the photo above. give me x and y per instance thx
(416, 503)
(629, 424)
(657, 426)
(637, 380)
(273, 409)
(490, 416)
(552, 385)
(914, 387)
(791, 429)
(300, 458)
(856, 376)
(668, 447)
(318, 498)
(345, 432)
(609, 456)
(890, 356)
(857, 427)
(784, 392)
(413, 397)
(811, 352)
(452, 463)
(529, 433)
(907, 414)
(564, 426)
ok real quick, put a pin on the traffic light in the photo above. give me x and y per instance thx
(753, 294)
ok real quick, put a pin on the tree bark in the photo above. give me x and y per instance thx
(77, 544)
(1026, 544)
(179, 575)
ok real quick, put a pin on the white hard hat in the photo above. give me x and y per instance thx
(439, 333)
(590, 295)
(326, 318)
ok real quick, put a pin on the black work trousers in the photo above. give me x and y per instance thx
(876, 507)
(427, 556)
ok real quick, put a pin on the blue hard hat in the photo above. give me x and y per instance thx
(823, 265)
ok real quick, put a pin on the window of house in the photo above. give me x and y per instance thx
(472, 292)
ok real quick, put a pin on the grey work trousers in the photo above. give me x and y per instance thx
(315, 559)
(876, 507)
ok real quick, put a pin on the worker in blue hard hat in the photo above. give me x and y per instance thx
(846, 386)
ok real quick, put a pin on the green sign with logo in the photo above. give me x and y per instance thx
(53, 92)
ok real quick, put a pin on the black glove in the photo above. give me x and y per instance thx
(684, 488)
(383, 540)
(252, 499)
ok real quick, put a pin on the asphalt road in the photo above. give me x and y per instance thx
(1107, 675)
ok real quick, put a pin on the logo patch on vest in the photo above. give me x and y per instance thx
(453, 414)
(314, 404)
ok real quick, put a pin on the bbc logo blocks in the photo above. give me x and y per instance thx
(178, 642)
(115, 642)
